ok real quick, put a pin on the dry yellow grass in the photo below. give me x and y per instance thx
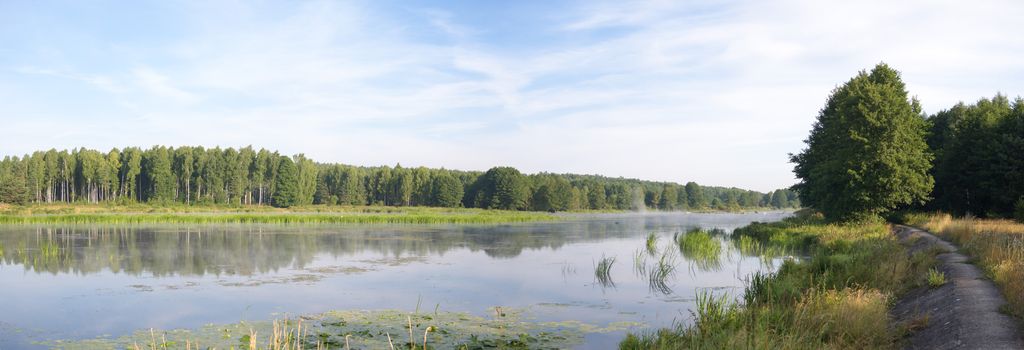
(853, 317)
(997, 245)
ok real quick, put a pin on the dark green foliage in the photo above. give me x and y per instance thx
(500, 188)
(244, 176)
(287, 190)
(1018, 210)
(552, 193)
(159, 182)
(669, 197)
(695, 196)
(866, 153)
(13, 187)
(446, 190)
(979, 165)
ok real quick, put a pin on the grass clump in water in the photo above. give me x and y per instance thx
(603, 271)
(652, 244)
(661, 271)
(702, 248)
(835, 298)
(382, 329)
(640, 262)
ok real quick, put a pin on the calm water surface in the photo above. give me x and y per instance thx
(75, 282)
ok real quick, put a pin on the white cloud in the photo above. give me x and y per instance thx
(716, 92)
(159, 86)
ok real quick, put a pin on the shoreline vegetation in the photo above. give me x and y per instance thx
(140, 213)
(311, 214)
(501, 328)
(835, 295)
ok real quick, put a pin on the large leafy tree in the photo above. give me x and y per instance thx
(694, 195)
(501, 188)
(446, 190)
(866, 153)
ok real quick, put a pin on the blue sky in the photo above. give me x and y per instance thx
(716, 92)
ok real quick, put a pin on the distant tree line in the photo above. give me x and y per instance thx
(872, 150)
(245, 176)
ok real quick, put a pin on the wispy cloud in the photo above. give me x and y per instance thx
(711, 91)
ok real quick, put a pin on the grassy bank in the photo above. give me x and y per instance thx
(314, 214)
(837, 296)
(997, 246)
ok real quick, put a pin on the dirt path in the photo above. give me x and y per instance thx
(961, 314)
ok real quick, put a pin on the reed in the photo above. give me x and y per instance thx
(603, 270)
(701, 248)
(640, 262)
(652, 244)
(660, 272)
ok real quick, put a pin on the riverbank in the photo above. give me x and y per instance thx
(312, 214)
(836, 296)
(136, 213)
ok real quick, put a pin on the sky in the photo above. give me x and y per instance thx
(717, 92)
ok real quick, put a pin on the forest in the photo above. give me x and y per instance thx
(979, 158)
(246, 176)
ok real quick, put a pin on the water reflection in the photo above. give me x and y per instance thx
(248, 250)
(117, 279)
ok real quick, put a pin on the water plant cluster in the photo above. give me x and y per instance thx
(603, 270)
(505, 328)
(836, 296)
(658, 264)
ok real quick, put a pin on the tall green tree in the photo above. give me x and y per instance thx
(501, 188)
(286, 185)
(13, 187)
(695, 196)
(446, 190)
(866, 153)
(160, 183)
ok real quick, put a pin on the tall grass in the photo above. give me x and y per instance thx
(997, 246)
(603, 271)
(663, 269)
(835, 298)
(640, 262)
(652, 244)
(700, 247)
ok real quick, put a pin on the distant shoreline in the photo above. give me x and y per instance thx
(313, 214)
